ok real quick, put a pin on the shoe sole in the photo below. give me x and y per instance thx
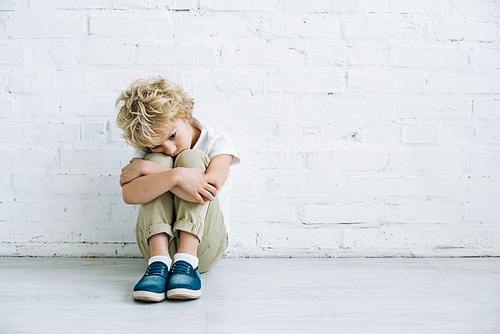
(148, 296)
(183, 294)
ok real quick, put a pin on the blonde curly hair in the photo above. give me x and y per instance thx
(147, 107)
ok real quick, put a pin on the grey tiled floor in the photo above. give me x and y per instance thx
(58, 295)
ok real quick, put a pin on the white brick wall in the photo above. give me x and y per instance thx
(366, 128)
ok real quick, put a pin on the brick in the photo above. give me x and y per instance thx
(30, 183)
(95, 160)
(263, 212)
(332, 132)
(383, 187)
(423, 213)
(432, 108)
(123, 213)
(11, 55)
(386, 82)
(486, 187)
(482, 212)
(290, 159)
(131, 26)
(324, 82)
(286, 185)
(291, 25)
(176, 55)
(46, 26)
(76, 210)
(74, 80)
(216, 25)
(5, 108)
(225, 81)
(35, 107)
(346, 110)
(32, 158)
(420, 133)
(464, 83)
(7, 5)
(462, 132)
(427, 160)
(60, 132)
(16, 131)
(294, 136)
(386, 237)
(67, 4)
(263, 134)
(320, 6)
(381, 26)
(486, 109)
(380, 134)
(478, 9)
(260, 55)
(405, 6)
(183, 4)
(403, 56)
(293, 239)
(259, 106)
(490, 134)
(91, 54)
(488, 58)
(95, 133)
(326, 55)
(331, 184)
(23, 83)
(347, 160)
(243, 5)
(15, 211)
(133, 4)
(341, 214)
(107, 82)
(463, 30)
(43, 55)
(88, 106)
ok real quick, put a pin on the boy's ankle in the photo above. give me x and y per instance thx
(161, 258)
(192, 260)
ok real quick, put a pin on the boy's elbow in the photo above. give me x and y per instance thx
(128, 197)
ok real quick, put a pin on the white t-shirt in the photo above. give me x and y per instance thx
(214, 144)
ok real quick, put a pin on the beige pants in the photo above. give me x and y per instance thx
(169, 214)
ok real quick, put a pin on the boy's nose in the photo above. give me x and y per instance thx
(170, 149)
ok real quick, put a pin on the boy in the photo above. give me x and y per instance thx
(181, 178)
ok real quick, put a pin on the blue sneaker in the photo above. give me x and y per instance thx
(184, 282)
(151, 287)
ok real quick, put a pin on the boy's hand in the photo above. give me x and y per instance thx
(196, 184)
(138, 167)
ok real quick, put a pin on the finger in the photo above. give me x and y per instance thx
(213, 181)
(212, 190)
(200, 199)
(208, 195)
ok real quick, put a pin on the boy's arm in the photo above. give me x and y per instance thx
(218, 168)
(189, 184)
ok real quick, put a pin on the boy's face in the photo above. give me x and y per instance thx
(175, 139)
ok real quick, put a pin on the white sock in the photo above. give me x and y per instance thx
(161, 258)
(192, 260)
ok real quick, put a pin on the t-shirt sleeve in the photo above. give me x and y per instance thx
(140, 154)
(224, 145)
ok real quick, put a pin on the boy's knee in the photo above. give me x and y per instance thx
(192, 159)
(160, 159)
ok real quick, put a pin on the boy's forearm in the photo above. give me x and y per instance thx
(146, 188)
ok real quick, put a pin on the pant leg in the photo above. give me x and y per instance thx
(206, 222)
(156, 216)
